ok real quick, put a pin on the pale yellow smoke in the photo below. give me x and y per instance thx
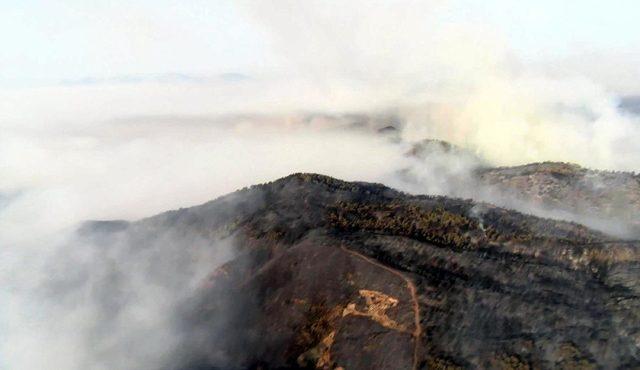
(516, 120)
(453, 80)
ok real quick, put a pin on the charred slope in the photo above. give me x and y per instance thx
(571, 187)
(332, 274)
(565, 190)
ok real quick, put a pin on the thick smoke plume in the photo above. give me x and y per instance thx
(457, 82)
(129, 150)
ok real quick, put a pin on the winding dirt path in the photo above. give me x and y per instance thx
(417, 332)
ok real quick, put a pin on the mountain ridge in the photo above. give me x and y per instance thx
(322, 271)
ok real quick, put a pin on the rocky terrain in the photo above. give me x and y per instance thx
(331, 274)
(606, 194)
(563, 190)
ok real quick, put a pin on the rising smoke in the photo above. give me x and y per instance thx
(126, 151)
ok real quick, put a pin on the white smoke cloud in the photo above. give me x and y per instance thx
(458, 81)
(78, 303)
(62, 174)
(141, 169)
(530, 119)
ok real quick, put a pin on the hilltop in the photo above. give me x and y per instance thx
(330, 274)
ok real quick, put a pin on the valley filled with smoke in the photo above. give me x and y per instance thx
(354, 95)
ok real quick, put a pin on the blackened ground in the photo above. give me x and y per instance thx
(335, 274)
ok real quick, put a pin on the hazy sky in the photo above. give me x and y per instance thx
(557, 28)
(45, 41)
(74, 39)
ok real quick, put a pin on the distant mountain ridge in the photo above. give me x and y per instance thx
(607, 196)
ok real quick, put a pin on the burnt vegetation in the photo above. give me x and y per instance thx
(494, 288)
(436, 226)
